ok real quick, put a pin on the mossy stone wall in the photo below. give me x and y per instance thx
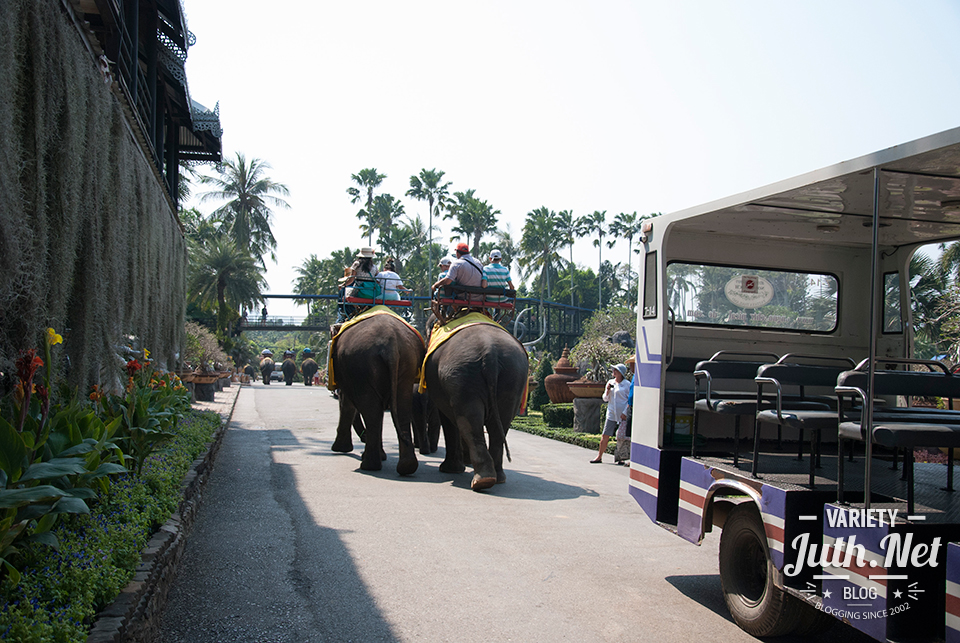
(89, 243)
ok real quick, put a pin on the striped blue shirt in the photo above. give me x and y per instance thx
(497, 276)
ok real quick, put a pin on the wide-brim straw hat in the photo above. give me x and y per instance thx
(368, 253)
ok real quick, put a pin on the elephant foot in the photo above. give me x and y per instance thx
(450, 467)
(407, 466)
(342, 446)
(383, 455)
(368, 464)
(427, 451)
(501, 477)
(480, 483)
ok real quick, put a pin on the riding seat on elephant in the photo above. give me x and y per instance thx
(476, 374)
(374, 361)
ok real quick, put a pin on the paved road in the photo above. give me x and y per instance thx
(295, 543)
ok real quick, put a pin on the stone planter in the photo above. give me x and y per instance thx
(563, 373)
(586, 415)
(583, 388)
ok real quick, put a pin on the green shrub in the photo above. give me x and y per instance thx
(539, 396)
(558, 415)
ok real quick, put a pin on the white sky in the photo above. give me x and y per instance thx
(605, 105)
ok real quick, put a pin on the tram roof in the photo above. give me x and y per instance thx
(919, 200)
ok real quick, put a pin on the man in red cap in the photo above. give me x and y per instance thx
(465, 271)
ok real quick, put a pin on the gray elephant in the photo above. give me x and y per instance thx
(426, 423)
(266, 367)
(477, 378)
(375, 365)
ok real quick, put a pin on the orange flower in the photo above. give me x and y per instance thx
(95, 394)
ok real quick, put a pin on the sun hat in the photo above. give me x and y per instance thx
(307, 351)
(495, 254)
(622, 368)
(367, 252)
(445, 261)
(462, 247)
(267, 352)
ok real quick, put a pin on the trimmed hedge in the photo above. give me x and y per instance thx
(534, 424)
(61, 591)
(558, 415)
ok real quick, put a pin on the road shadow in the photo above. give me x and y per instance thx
(706, 590)
(519, 485)
(258, 567)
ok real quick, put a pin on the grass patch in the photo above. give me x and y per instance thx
(62, 591)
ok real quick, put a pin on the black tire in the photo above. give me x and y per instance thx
(757, 605)
(812, 621)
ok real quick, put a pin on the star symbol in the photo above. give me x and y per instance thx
(898, 594)
(826, 593)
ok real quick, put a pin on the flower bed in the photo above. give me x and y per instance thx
(60, 592)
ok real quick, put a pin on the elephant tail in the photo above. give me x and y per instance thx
(492, 409)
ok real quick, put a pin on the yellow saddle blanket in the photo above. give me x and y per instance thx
(367, 314)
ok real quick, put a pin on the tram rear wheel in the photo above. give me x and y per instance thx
(757, 605)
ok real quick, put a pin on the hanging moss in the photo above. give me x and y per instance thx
(88, 241)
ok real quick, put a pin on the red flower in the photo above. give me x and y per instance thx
(133, 366)
(27, 365)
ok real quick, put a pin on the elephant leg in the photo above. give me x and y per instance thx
(407, 464)
(433, 428)
(453, 460)
(348, 416)
(419, 420)
(484, 472)
(373, 453)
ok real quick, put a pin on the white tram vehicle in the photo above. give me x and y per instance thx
(766, 322)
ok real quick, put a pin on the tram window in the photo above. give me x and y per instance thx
(892, 319)
(650, 286)
(741, 296)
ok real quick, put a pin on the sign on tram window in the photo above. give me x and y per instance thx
(892, 317)
(742, 296)
(650, 286)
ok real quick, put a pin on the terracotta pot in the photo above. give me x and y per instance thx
(584, 388)
(563, 373)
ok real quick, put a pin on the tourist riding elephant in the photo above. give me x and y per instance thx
(375, 365)
(289, 368)
(266, 367)
(477, 378)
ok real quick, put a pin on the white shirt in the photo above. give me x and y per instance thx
(389, 280)
(616, 398)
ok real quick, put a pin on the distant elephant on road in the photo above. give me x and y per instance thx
(477, 378)
(289, 368)
(266, 367)
(375, 365)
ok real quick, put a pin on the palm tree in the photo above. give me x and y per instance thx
(589, 225)
(539, 243)
(428, 187)
(386, 210)
(566, 225)
(367, 180)
(474, 218)
(627, 226)
(224, 273)
(249, 194)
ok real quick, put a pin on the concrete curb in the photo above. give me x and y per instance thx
(132, 617)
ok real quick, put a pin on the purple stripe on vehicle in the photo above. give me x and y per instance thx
(648, 370)
(646, 501)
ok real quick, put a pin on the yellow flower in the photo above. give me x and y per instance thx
(146, 354)
(52, 338)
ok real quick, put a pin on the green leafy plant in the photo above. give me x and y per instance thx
(558, 415)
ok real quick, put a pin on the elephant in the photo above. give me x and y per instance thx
(477, 378)
(289, 368)
(375, 365)
(309, 368)
(266, 367)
